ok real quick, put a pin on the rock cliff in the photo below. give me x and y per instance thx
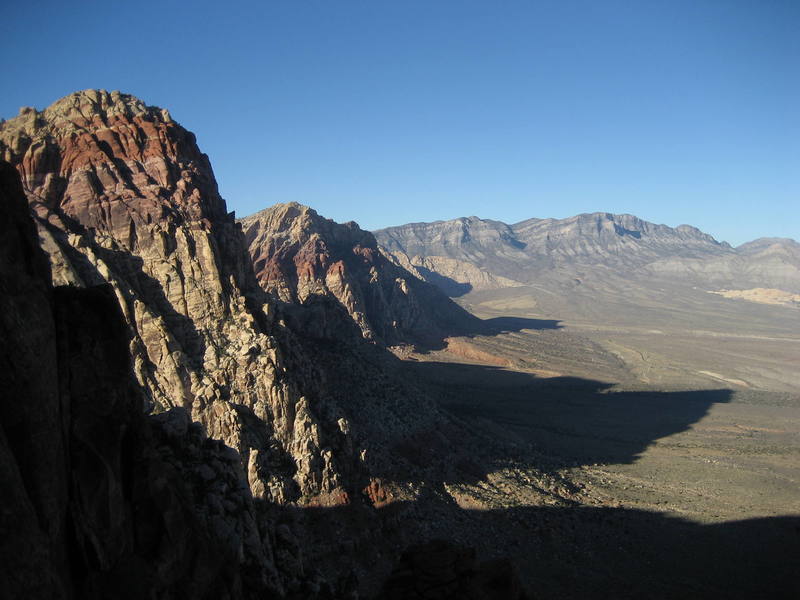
(122, 195)
(297, 255)
(100, 500)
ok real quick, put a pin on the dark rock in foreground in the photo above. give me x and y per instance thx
(440, 570)
(98, 499)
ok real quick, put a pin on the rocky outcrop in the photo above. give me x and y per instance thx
(100, 500)
(299, 255)
(122, 195)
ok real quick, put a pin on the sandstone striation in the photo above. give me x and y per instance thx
(123, 195)
(99, 500)
(297, 255)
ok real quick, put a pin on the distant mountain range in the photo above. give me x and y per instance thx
(472, 253)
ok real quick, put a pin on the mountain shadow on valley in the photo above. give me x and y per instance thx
(471, 326)
(544, 423)
(498, 325)
(572, 421)
(578, 552)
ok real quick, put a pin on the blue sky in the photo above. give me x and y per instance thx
(390, 112)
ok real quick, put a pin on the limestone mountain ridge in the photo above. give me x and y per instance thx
(536, 249)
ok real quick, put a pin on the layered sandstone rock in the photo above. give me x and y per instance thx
(99, 500)
(123, 195)
(297, 255)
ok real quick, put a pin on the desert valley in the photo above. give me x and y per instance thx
(197, 405)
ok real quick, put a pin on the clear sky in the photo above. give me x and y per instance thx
(390, 112)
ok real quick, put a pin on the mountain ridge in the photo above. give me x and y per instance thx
(528, 250)
(685, 227)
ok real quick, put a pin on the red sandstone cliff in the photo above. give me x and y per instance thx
(98, 499)
(298, 255)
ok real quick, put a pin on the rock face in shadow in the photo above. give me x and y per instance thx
(440, 570)
(298, 254)
(581, 552)
(100, 500)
